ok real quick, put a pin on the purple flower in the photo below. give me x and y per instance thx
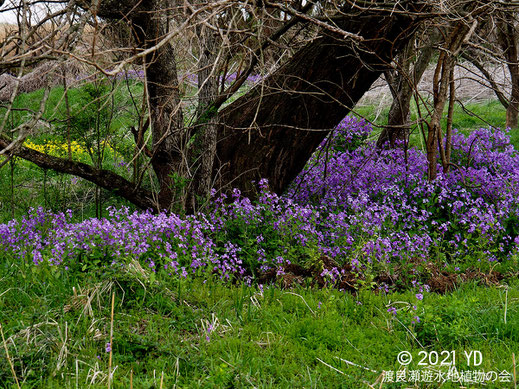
(354, 203)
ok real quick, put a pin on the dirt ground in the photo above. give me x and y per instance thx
(439, 280)
(471, 86)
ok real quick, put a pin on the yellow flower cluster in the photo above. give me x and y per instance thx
(57, 149)
(79, 152)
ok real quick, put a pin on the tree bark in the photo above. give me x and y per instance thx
(442, 83)
(401, 87)
(104, 178)
(402, 84)
(272, 130)
(166, 116)
(203, 153)
(507, 38)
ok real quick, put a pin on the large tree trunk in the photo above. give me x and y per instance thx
(167, 121)
(273, 130)
(507, 38)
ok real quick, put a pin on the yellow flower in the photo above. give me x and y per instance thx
(57, 149)
(61, 149)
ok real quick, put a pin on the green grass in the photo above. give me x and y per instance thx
(466, 118)
(33, 187)
(24, 185)
(57, 324)
(81, 101)
(98, 111)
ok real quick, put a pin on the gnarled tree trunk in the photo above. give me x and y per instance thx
(273, 130)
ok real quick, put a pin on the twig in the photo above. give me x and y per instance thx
(354, 364)
(338, 371)
(298, 295)
(515, 374)
(331, 367)
(506, 302)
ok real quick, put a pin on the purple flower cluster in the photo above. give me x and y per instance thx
(349, 134)
(381, 206)
(362, 207)
(178, 246)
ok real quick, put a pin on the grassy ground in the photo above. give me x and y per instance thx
(202, 333)
(99, 112)
(466, 118)
(23, 185)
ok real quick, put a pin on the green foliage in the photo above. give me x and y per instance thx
(202, 333)
(465, 118)
(100, 116)
(178, 188)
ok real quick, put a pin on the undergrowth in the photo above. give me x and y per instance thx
(175, 332)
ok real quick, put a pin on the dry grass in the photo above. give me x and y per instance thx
(6, 30)
(51, 72)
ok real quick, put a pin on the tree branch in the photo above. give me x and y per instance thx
(104, 178)
(500, 95)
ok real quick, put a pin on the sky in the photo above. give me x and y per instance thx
(9, 17)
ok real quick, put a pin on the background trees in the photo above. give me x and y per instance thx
(198, 126)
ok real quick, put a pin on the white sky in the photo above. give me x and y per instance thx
(7, 17)
(10, 16)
